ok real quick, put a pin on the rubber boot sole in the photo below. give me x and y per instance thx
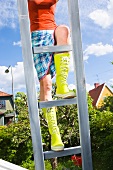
(66, 96)
(57, 148)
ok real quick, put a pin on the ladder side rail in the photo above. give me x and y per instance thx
(30, 84)
(80, 85)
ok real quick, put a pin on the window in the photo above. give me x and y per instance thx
(2, 104)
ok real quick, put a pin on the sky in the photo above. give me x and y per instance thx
(96, 20)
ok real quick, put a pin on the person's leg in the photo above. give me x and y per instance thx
(62, 37)
(43, 62)
(50, 113)
(46, 88)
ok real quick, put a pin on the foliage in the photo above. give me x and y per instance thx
(101, 130)
(15, 139)
(101, 126)
(107, 104)
(28, 164)
(68, 124)
(16, 145)
(8, 111)
(64, 163)
(20, 102)
(67, 119)
(16, 142)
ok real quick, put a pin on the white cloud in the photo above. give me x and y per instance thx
(18, 78)
(8, 13)
(89, 87)
(103, 18)
(19, 81)
(71, 86)
(110, 82)
(98, 50)
(18, 43)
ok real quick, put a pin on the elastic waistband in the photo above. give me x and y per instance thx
(42, 31)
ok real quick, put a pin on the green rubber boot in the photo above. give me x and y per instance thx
(62, 69)
(56, 142)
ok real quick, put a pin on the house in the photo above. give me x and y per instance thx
(99, 93)
(6, 104)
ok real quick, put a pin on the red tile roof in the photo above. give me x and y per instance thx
(95, 93)
(2, 94)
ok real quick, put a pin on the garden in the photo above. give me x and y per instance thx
(16, 143)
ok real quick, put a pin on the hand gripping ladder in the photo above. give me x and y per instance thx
(81, 101)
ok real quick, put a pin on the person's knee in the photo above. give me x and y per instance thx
(62, 29)
(62, 34)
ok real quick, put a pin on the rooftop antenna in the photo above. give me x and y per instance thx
(97, 78)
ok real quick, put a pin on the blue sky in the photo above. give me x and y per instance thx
(96, 19)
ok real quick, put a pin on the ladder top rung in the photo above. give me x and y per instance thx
(56, 48)
(65, 152)
(60, 102)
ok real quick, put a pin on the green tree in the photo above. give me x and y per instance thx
(15, 139)
(107, 104)
(102, 138)
(16, 144)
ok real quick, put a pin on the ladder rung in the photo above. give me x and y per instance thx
(61, 102)
(65, 152)
(56, 48)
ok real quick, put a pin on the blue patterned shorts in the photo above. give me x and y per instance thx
(43, 62)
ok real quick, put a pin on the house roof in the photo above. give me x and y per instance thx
(3, 94)
(95, 93)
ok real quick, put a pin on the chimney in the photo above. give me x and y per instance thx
(96, 85)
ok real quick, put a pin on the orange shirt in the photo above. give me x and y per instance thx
(41, 14)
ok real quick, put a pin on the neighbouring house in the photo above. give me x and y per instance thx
(6, 104)
(99, 93)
